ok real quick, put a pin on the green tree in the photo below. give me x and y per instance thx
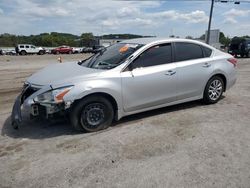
(189, 37)
(87, 39)
(202, 37)
(224, 40)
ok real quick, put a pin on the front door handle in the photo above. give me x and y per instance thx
(170, 73)
(206, 65)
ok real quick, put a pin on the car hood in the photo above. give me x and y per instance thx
(62, 73)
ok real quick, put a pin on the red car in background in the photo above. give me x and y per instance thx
(62, 50)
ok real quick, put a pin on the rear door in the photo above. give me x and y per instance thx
(27, 48)
(152, 80)
(194, 67)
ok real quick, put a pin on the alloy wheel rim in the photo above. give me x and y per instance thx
(215, 90)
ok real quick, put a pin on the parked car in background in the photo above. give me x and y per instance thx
(127, 78)
(24, 49)
(76, 50)
(48, 50)
(87, 50)
(240, 46)
(10, 52)
(62, 50)
(97, 49)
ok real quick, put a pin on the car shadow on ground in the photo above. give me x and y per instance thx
(42, 129)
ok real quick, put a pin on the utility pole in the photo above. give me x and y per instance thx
(210, 20)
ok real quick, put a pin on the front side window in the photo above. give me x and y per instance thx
(27, 46)
(187, 51)
(156, 55)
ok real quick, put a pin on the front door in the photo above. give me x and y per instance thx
(152, 80)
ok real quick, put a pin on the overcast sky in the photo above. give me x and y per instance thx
(160, 18)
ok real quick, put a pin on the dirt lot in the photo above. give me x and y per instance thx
(188, 145)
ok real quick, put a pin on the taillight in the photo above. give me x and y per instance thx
(233, 61)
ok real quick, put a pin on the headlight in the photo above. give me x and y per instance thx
(53, 96)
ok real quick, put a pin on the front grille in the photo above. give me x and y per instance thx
(28, 91)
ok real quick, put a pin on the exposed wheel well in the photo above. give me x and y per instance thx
(105, 95)
(223, 78)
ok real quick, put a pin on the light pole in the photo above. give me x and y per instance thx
(210, 20)
(211, 15)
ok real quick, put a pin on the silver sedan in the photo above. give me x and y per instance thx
(127, 78)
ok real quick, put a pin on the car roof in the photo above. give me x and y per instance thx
(149, 40)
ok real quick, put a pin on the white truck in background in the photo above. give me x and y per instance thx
(24, 49)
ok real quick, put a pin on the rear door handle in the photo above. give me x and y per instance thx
(206, 65)
(170, 73)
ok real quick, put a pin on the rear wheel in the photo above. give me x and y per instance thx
(213, 90)
(92, 114)
(23, 52)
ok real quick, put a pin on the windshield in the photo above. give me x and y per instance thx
(111, 56)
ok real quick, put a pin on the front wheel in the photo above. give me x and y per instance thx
(92, 114)
(41, 52)
(213, 90)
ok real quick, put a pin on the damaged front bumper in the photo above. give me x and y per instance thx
(25, 102)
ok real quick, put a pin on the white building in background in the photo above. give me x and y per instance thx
(214, 39)
(214, 36)
(108, 42)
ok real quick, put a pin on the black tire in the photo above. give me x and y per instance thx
(23, 52)
(41, 52)
(211, 97)
(81, 114)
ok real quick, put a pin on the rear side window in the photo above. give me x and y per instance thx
(156, 55)
(187, 51)
(206, 51)
(22, 46)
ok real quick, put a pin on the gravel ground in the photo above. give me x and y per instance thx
(187, 145)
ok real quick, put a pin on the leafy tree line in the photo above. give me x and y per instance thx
(56, 39)
(85, 39)
(43, 39)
